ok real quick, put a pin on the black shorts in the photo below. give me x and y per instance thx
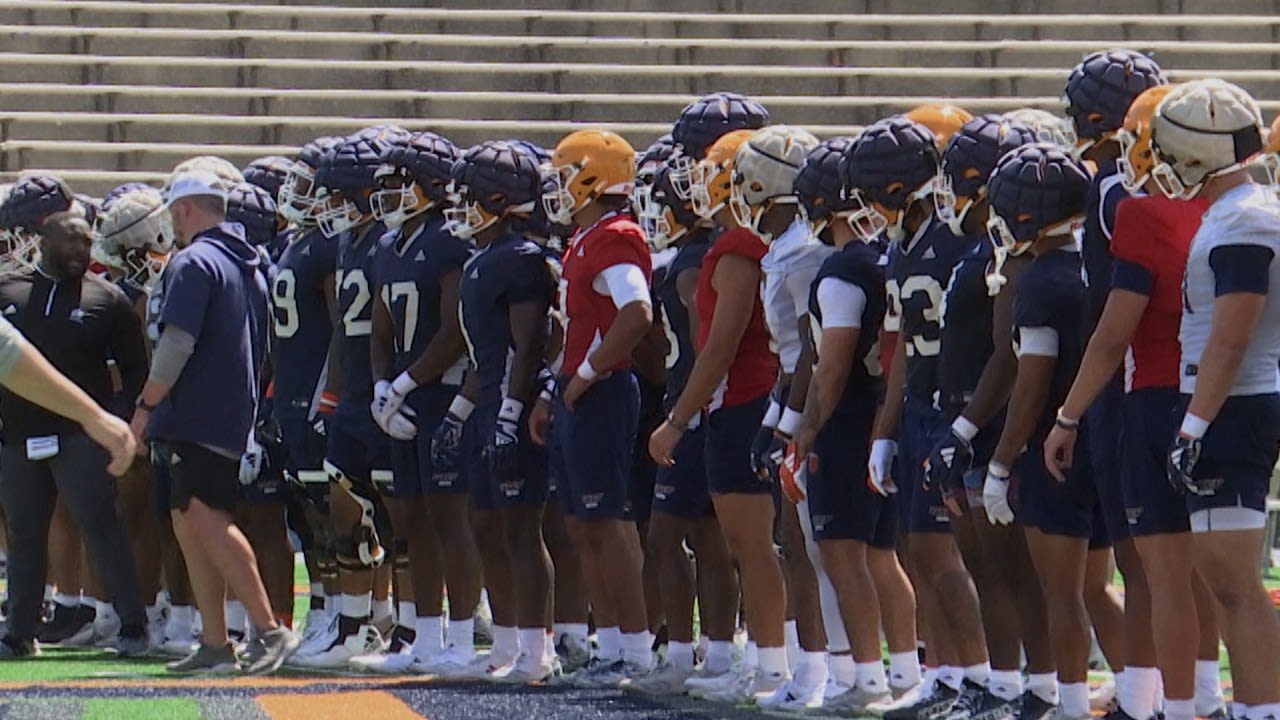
(197, 472)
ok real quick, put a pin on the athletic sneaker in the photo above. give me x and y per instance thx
(364, 641)
(207, 659)
(573, 655)
(66, 621)
(530, 670)
(486, 667)
(267, 652)
(977, 703)
(1030, 706)
(320, 633)
(704, 681)
(750, 687)
(602, 674)
(931, 706)
(450, 663)
(11, 649)
(792, 696)
(666, 679)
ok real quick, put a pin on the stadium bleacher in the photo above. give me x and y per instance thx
(106, 90)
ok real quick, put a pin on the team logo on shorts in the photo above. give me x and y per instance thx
(664, 492)
(592, 501)
(1133, 514)
(511, 488)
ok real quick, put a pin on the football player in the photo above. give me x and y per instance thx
(1049, 128)
(975, 365)
(1203, 134)
(891, 173)
(1037, 200)
(701, 124)
(854, 527)
(943, 120)
(418, 360)
(505, 294)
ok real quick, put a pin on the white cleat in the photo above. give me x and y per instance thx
(453, 662)
(486, 667)
(792, 696)
(365, 641)
(703, 682)
(384, 663)
(528, 670)
(665, 680)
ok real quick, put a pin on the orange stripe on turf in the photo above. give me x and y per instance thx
(336, 706)
(241, 683)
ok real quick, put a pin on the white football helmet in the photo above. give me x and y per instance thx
(764, 173)
(1203, 129)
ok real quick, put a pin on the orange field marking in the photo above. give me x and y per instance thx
(336, 706)
(248, 683)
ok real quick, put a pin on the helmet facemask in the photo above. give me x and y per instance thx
(403, 200)
(336, 214)
(297, 198)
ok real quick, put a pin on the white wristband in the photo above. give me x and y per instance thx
(404, 384)
(964, 429)
(997, 471)
(461, 407)
(587, 371)
(1194, 426)
(772, 415)
(511, 410)
(789, 423)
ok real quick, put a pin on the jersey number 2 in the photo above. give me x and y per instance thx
(355, 321)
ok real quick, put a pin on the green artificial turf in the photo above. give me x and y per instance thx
(155, 709)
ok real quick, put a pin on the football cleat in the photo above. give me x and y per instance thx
(586, 165)
(764, 173)
(1100, 90)
(967, 162)
(451, 663)
(666, 679)
(365, 641)
(1203, 129)
(890, 166)
(490, 182)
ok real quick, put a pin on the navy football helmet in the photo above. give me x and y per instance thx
(704, 121)
(268, 173)
(346, 179)
(967, 162)
(255, 209)
(539, 153)
(667, 216)
(491, 182)
(1101, 88)
(31, 200)
(890, 166)
(1034, 191)
(413, 178)
(297, 196)
(648, 164)
(819, 185)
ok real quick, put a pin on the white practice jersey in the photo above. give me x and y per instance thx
(790, 266)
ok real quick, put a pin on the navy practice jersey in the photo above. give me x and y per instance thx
(966, 325)
(511, 270)
(675, 316)
(303, 328)
(1105, 193)
(857, 264)
(1050, 291)
(356, 251)
(916, 278)
(408, 271)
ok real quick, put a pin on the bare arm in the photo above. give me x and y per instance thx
(1030, 393)
(996, 382)
(801, 379)
(831, 375)
(1106, 351)
(382, 343)
(528, 322)
(891, 412)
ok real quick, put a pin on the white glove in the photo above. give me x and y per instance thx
(251, 463)
(400, 425)
(388, 397)
(378, 408)
(995, 495)
(880, 466)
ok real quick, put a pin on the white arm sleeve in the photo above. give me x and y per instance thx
(841, 303)
(1040, 340)
(624, 283)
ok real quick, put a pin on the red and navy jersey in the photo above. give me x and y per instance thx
(302, 325)
(614, 240)
(857, 264)
(1105, 193)
(755, 368)
(1151, 240)
(510, 271)
(1049, 294)
(407, 271)
(966, 325)
(917, 276)
(356, 252)
(674, 314)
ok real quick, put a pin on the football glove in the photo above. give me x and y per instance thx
(1183, 456)
(792, 474)
(251, 462)
(947, 464)
(880, 466)
(500, 455)
(995, 495)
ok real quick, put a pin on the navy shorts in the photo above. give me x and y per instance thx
(643, 469)
(595, 442)
(730, 432)
(1152, 505)
(525, 485)
(841, 505)
(358, 448)
(304, 450)
(681, 489)
(921, 428)
(1106, 420)
(1069, 508)
(412, 472)
(1240, 449)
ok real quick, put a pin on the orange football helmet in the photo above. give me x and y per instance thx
(586, 165)
(711, 180)
(1270, 158)
(942, 120)
(1136, 159)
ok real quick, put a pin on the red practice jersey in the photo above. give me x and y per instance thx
(1150, 243)
(755, 368)
(615, 240)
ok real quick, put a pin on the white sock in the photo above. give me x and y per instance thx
(181, 616)
(506, 645)
(1137, 694)
(428, 635)
(904, 669)
(66, 600)
(719, 657)
(951, 676)
(637, 649)
(844, 670)
(610, 641)
(1074, 701)
(1044, 685)
(791, 640)
(751, 658)
(1006, 684)
(811, 670)
(773, 660)
(461, 634)
(533, 642)
(1180, 709)
(357, 606)
(871, 677)
(680, 655)
(978, 674)
(406, 614)
(1208, 687)
(382, 610)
